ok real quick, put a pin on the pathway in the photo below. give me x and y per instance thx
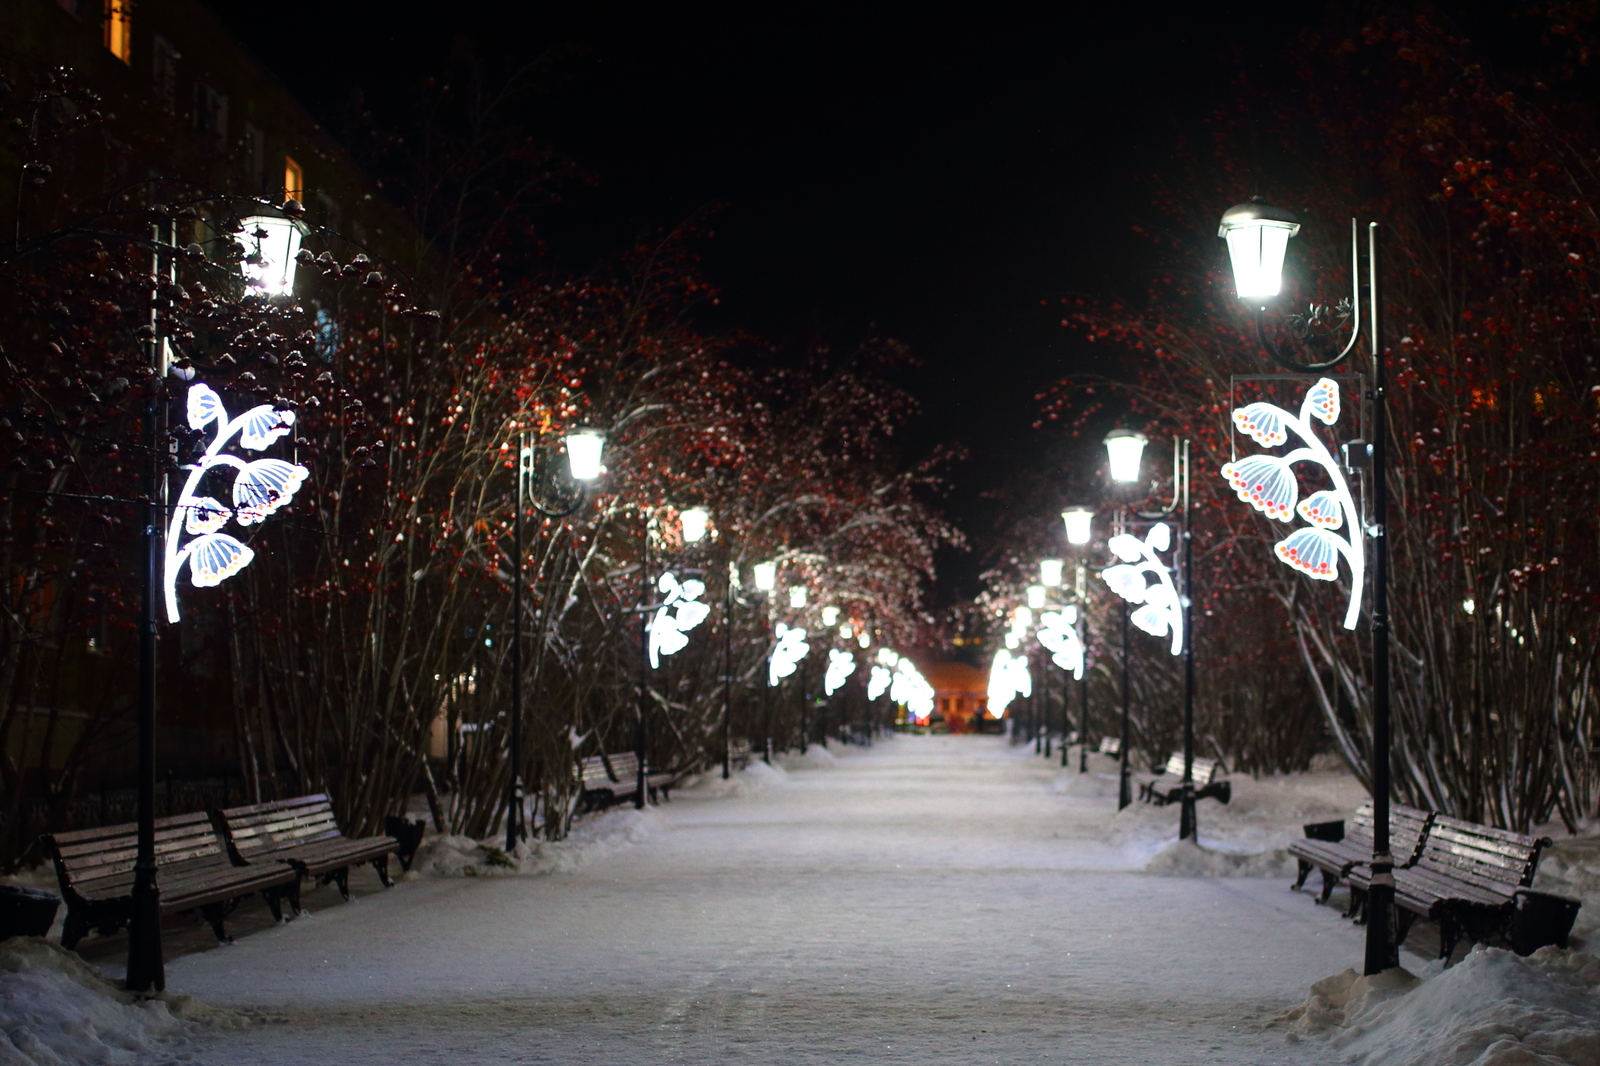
(930, 900)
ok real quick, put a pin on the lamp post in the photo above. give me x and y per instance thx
(584, 448)
(1257, 235)
(1125, 451)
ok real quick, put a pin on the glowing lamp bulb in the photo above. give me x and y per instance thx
(1050, 573)
(766, 575)
(1125, 449)
(1080, 524)
(1258, 236)
(585, 444)
(694, 521)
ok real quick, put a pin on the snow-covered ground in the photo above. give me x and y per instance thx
(932, 899)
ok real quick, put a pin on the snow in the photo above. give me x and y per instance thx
(55, 1009)
(1490, 1009)
(932, 899)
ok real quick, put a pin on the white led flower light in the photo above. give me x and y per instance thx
(841, 664)
(791, 647)
(878, 681)
(261, 487)
(1159, 613)
(1268, 483)
(910, 688)
(1008, 679)
(680, 612)
(1058, 633)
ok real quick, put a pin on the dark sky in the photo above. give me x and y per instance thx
(931, 177)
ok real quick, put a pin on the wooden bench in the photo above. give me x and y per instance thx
(1467, 879)
(1111, 746)
(194, 871)
(605, 780)
(303, 833)
(739, 753)
(1168, 788)
(1335, 851)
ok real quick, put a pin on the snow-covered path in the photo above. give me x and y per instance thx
(930, 900)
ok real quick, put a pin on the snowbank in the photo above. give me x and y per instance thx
(56, 1010)
(816, 758)
(1490, 1009)
(756, 777)
(590, 839)
(1185, 858)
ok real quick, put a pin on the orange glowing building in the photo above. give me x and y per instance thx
(960, 694)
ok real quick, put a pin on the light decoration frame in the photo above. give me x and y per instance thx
(1268, 483)
(1160, 610)
(789, 649)
(841, 664)
(680, 612)
(1058, 633)
(261, 488)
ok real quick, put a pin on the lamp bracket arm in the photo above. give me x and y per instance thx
(560, 512)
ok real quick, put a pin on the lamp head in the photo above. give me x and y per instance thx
(1258, 236)
(1036, 596)
(585, 445)
(1125, 449)
(270, 243)
(766, 575)
(693, 521)
(830, 615)
(1080, 524)
(1050, 573)
(797, 596)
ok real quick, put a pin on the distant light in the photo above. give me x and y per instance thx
(1050, 573)
(1022, 617)
(797, 596)
(585, 444)
(270, 244)
(1258, 236)
(864, 639)
(1080, 524)
(830, 615)
(694, 521)
(1469, 605)
(766, 575)
(845, 632)
(1125, 448)
(1036, 596)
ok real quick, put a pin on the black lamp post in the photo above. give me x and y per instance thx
(1258, 235)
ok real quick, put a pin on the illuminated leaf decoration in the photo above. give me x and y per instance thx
(205, 515)
(1265, 483)
(263, 486)
(205, 406)
(878, 683)
(1126, 581)
(1322, 509)
(1152, 619)
(1160, 537)
(790, 649)
(1127, 547)
(1314, 552)
(1161, 596)
(260, 426)
(841, 664)
(1323, 401)
(678, 614)
(216, 557)
(1263, 422)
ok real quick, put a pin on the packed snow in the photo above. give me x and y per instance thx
(927, 900)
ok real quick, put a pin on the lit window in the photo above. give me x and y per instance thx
(294, 180)
(119, 29)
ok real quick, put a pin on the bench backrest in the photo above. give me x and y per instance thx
(623, 771)
(739, 748)
(1491, 858)
(1408, 829)
(86, 857)
(1205, 770)
(1111, 746)
(264, 827)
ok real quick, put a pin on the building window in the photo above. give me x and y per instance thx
(255, 158)
(211, 114)
(294, 180)
(119, 29)
(164, 71)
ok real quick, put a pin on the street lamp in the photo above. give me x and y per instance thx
(1125, 450)
(1257, 236)
(1080, 524)
(766, 577)
(584, 447)
(270, 241)
(1050, 573)
(693, 521)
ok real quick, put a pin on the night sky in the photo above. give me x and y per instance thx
(931, 179)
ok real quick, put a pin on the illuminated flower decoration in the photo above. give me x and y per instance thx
(1322, 509)
(911, 689)
(1263, 423)
(1059, 634)
(791, 647)
(261, 487)
(1159, 613)
(1268, 483)
(878, 681)
(1313, 552)
(1008, 679)
(841, 664)
(680, 612)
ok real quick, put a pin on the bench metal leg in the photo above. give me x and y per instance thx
(381, 864)
(341, 879)
(1358, 906)
(1329, 881)
(213, 913)
(1305, 869)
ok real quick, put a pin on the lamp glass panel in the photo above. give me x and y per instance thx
(584, 448)
(1257, 254)
(1125, 452)
(797, 596)
(830, 615)
(270, 245)
(766, 576)
(1050, 573)
(694, 521)
(1080, 525)
(1036, 596)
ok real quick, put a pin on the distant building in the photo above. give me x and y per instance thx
(960, 694)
